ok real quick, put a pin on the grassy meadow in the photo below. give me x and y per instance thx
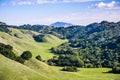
(91, 74)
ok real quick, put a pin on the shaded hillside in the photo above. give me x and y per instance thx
(96, 45)
(84, 31)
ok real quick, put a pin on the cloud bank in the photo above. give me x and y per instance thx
(110, 5)
(32, 2)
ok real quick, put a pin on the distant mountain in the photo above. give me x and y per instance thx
(61, 24)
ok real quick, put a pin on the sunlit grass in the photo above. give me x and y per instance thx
(90, 74)
(25, 41)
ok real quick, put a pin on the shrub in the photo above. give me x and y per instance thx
(38, 58)
(70, 69)
(26, 55)
(115, 70)
(89, 65)
(20, 60)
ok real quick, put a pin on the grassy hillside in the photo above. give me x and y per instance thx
(35, 70)
(22, 40)
(11, 70)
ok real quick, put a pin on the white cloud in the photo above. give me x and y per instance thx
(31, 2)
(109, 5)
(22, 2)
(62, 1)
(46, 1)
(79, 0)
(42, 1)
(80, 18)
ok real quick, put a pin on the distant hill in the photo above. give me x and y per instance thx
(61, 24)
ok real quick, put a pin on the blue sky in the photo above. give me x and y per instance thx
(81, 12)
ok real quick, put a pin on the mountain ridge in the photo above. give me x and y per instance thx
(61, 24)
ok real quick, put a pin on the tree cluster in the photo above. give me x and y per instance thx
(26, 55)
(4, 28)
(7, 51)
(96, 45)
(38, 38)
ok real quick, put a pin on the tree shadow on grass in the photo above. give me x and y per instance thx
(110, 72)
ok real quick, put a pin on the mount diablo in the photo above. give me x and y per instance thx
(61, 24)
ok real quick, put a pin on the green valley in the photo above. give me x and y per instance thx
(59, 39)
(24, 41)
(61, 48)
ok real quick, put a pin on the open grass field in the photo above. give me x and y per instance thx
(90, 74)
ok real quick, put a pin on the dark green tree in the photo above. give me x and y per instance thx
(7, 51)
(26, 55)
(20, 59)
(38, 58)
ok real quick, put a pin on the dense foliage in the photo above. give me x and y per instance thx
(66, 60)
(7, 51)
(38, 38)
(116, 70)
(26, 55)
(37, 28)
(4, 27)
(20, 60)
(96, 45)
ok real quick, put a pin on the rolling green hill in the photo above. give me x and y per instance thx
(22, 40)
(32, 69)
(11, 70)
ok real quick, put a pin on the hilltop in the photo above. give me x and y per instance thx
(61, 24)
